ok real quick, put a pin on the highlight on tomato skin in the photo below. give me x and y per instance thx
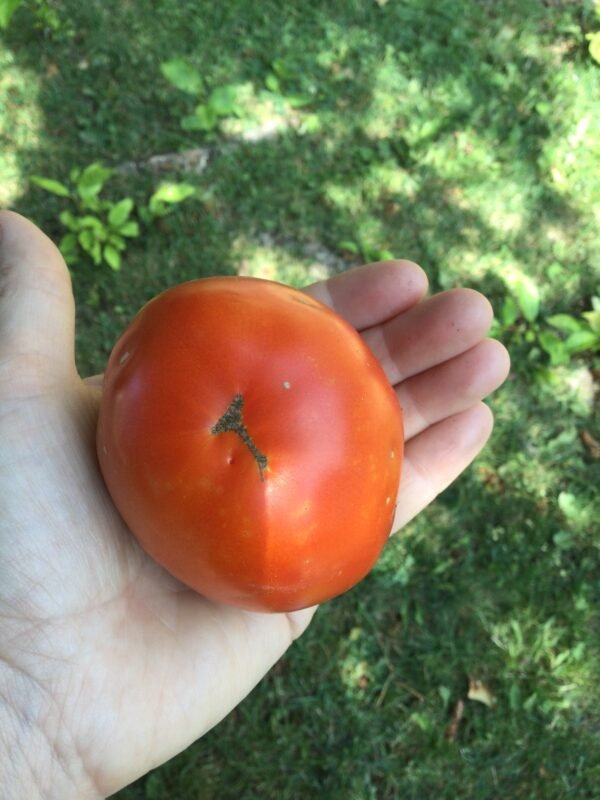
(251, 442)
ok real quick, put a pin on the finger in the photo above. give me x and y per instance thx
(37, 312)
(369, 295)
(94, 381)
(453, 386)
(434, 458)
(430, 333)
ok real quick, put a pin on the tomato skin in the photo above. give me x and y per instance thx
(286, 511)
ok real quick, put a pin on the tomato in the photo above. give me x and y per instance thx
(251, 442)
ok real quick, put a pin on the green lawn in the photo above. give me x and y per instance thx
(464, 136)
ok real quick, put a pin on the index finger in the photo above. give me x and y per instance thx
(369, 295)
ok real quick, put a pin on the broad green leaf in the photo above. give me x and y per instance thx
(310, 124)
(350, 247)
(91, 245)
(594, 45)
(299, 100)
(569, 504)
(96, 253)
(528, 298)
(92, 179)
(544, 108)
(92, 203)
(172, 193)
(272, 83)
(117, 241)
(593, 320)
(545, 376)
(422, 721)
(223, 100)
(69, 220)
(524, 290)
(68, 247)
(130, 229)
(120, 212)
(496, 330)
(95, 173)
(555, 347)
(86, 239)
(192, 122)
(112, 257)
(582, 340)
(445, 693)
(7, 9)
(182, 75)
(563, 539)
(93, 223)
(509, 311)
(50, 185)
(565, 323)
(204, 119)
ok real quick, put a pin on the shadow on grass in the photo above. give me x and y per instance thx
(360, 707)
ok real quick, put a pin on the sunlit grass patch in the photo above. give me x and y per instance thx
(264, 258)
(21, 123)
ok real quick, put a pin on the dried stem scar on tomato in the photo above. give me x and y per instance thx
(251, 442)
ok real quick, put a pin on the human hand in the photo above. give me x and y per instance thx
(108, 665)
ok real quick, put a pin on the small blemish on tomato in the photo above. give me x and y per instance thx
(124, 358)
(230, 460)
(287, 385)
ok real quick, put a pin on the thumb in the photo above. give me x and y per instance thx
(37, 309)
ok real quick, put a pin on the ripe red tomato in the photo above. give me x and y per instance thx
(251, 442)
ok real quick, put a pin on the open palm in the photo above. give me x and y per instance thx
(108, 665)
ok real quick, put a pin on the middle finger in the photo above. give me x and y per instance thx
(440, 328)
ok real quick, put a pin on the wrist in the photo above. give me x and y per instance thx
(32, 763)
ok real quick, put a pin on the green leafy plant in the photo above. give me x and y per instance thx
(221, 102)
(47, 17)
(560, 336)
(594, 39)
(164, 199)
(594, 45)
(7, 9)
(285, 81)
(366, 252)
(98, 227)
(574, 335)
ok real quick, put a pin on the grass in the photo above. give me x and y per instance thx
(460, 135)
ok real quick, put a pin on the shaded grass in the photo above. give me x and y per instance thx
(453, 134)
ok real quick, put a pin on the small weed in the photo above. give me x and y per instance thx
(101, 228)
(217, 104)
